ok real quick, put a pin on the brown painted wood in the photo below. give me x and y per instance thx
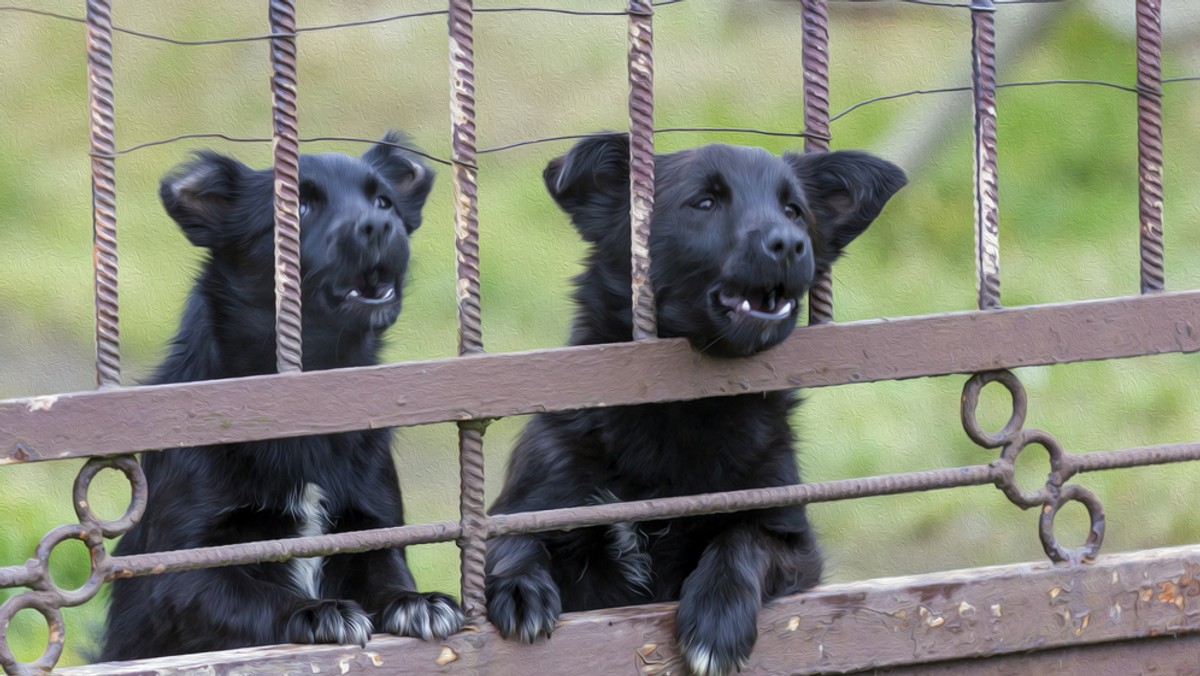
(140, 418)
(1003, 610)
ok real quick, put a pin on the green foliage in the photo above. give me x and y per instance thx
(1068, 205)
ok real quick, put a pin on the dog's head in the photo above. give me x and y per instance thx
(356, 215)
(737, 234)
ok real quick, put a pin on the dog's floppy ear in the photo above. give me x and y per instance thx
(404, 171)
(201, 195)
(846, 190)
(591, 183)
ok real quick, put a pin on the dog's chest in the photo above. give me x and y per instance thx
(308, 505)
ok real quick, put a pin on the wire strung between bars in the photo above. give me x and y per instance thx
(325, 27)
(662, 130)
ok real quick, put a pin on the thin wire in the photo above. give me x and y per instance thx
(332, 26)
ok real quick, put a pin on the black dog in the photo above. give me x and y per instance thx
(356, 217)
(736, 239)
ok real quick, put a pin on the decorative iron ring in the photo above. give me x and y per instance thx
(95, 544)
(56, 631)
(970, 404)
(1091, 546)
(1006, 479)
(129, 466)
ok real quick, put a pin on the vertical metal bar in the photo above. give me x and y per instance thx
(287, 194)
(815, 62)
(641, 164)
(470, 330)
(104, 191)
(1150, 163)
(987, 224)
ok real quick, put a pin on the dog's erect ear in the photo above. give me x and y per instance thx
(591, 183)
(202, 194)
(404, 171)
(846, 190)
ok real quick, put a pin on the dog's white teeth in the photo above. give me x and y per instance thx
(786, 309)
(744, 307)
(389, 294)
(354, 293)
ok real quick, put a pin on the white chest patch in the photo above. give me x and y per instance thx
(308, 506)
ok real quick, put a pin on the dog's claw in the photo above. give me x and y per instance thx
(431, 616)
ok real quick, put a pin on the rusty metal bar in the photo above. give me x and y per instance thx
(473, 542)
(155, 563)
(987, 223)
(1002, 610)
(814, 58)
(104, 191)
(487, 386)
(1150, 161)
(286, 154)
(641, 164)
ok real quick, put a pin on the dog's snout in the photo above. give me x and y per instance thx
(785, 244)
(373, 233)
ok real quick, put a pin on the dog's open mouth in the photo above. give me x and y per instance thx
(373, 287)
(766, 304)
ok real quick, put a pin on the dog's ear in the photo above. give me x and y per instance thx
(404, 171)
(846, 190)
(591, 183)
(202, 194)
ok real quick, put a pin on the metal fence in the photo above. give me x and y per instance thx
(479, 387)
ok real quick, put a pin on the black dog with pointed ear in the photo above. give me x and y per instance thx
(356, 215)
(736, 240)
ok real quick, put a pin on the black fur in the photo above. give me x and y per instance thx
(737, 235)
(356, 217)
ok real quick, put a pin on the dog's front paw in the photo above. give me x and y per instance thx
(716, 636)
(426, 616)
(328, 621)
(523, 606)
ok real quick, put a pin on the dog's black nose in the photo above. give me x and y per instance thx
(373, 234)
(785, 243)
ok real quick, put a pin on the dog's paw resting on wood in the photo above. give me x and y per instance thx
(356, 216)
(738, 235)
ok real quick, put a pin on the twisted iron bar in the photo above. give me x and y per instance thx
(473, 543)
(1150, 161)
(286, 153)
(814, 59)
(987, 223)
(104, 192)
(641, 165)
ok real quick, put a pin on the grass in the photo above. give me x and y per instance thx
(1068, 209)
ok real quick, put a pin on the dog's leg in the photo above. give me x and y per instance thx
(717, 622)
(523, 600)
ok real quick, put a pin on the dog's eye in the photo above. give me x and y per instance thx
(383, 202)
(705, 204)
(791, 211)
(303, 208)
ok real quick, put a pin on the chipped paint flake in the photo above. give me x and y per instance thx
(648, 648)
(375, 658)
(794, 623)
(996, 610)
(930, 619)
(344, 665)
(42, 403)
(965, 609)
(446, 656)
(1055, 591)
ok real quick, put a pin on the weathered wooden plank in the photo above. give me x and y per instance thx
(81, 424)
(839, 628)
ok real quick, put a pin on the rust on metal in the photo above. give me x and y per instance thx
(104, 191)
(286, 153)
(1150, 159)
(837, 628)
(814, 57)
(472, 541)
(464, 388)
(987, 221)
(641, 164)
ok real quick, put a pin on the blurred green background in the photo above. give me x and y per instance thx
(1068, 213)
